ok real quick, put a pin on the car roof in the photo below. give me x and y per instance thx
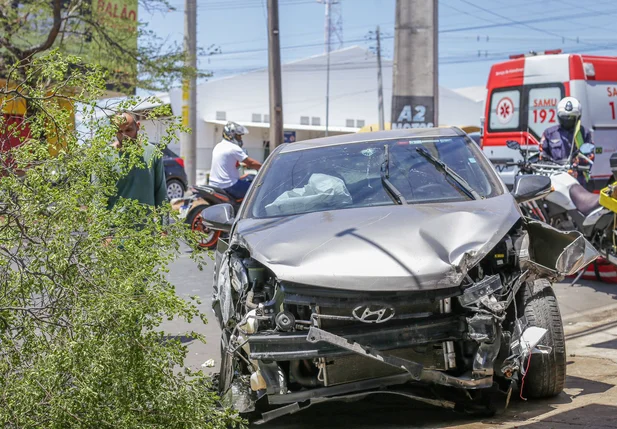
(372, 136)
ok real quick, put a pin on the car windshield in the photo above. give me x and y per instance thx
(350, 176)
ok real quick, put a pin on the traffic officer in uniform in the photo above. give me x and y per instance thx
(558, 141)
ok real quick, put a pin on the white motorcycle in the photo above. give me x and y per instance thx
(570, 206)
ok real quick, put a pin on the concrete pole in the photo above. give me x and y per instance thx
(415, 70)
(379, 82)
(274, 68)
(188, 142)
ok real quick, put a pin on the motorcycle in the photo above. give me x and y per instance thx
(201, 197)
(570, 206)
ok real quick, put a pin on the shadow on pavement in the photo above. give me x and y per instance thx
(590, 416)
(391, 412)
(588, 387)
(611, 344)
(384, 411)
(376, 411)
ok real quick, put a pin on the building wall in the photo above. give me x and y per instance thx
(353, 101)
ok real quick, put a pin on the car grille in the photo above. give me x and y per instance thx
(343, 308)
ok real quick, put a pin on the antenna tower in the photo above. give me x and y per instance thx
(333, 25)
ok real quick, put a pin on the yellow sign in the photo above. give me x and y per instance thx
(185, 90)
(119, 17)
(185, 115)
(374, 127)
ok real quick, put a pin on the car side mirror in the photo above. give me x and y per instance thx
(219, 217)
(513, 144)
(531, 187)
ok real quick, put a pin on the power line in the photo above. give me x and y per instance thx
(518, 23)
(510, 22)
(445, 31)
(466, 13)
(502, 8)
(203, 7)
(446, 60)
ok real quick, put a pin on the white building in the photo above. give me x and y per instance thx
(244, 98)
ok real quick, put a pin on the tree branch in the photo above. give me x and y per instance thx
(53, 33)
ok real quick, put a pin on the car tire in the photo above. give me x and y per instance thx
(546, 375)
(194, 220)
(175, 189)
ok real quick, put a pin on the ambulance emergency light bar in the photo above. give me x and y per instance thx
(533, 53)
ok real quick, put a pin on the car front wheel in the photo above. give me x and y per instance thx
(546, 374)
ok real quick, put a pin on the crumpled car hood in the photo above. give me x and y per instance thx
(388, 248)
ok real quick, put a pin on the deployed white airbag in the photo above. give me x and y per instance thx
(321, 192)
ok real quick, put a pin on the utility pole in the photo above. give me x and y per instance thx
(274, 68)
(332, 30)
(328, 46)
(188, 142)
(379, 82)
(415, 68)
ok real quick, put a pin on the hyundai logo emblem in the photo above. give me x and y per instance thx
(373, 313)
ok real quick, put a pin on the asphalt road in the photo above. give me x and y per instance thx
(582, 305)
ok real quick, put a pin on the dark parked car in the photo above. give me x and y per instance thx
(174, 174)
(476, 137)
(388, 262)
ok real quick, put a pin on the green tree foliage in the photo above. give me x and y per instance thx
(101, 32)
(80, 343)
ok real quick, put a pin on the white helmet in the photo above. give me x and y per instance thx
(569, 111)
(233, 132)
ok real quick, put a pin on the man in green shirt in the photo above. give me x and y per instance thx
(145, 184)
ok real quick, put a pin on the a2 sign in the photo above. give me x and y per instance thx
(413, 112)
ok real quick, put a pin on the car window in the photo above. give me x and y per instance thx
(349, 175)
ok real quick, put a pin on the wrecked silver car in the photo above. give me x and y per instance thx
(391, 262)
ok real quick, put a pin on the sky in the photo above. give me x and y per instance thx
(473, 34)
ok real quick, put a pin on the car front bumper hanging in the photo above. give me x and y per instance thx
(415, 369)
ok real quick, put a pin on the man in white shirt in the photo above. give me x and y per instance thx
(226, 157)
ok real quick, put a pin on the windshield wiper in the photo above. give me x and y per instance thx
(391, 190)
(440, 165)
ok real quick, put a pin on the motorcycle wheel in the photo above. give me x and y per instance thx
(208, 237)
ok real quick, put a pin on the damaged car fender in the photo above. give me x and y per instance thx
(552, 253)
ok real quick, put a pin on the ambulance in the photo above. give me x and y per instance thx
(522, 98)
